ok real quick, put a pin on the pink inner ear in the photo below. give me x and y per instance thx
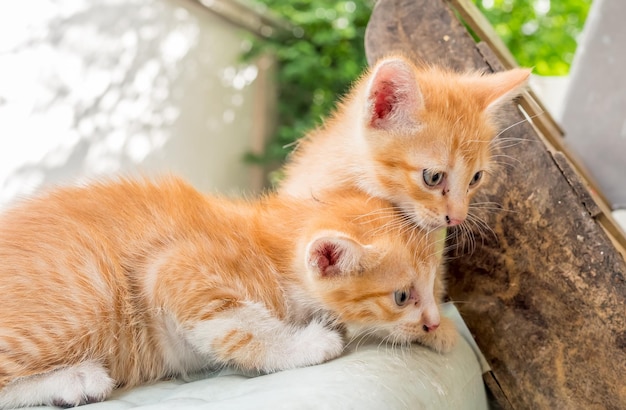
(326, 257)
(385, 99)
(394, 96)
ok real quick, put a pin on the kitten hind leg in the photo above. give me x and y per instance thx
(86, 382)
(251, 338)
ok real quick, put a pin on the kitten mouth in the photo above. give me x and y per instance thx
(406, 216)
(412, 218)
(433, 226)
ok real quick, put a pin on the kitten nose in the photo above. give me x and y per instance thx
(431, 327)
(431, 318)
(453, 221)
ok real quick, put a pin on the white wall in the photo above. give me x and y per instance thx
(98, 87)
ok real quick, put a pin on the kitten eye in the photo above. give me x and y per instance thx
(401, 297)
(477, 176)
(432, 178)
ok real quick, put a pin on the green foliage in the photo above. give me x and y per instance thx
(540, 33)
(318, 60)
(324, 52)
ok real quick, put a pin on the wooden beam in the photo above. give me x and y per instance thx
(499, 57)
(545, 292)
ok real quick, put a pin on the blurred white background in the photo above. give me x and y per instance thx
(97, 87)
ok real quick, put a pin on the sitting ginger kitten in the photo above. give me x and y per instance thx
(419, 137)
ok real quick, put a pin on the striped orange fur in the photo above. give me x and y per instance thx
(128, 281)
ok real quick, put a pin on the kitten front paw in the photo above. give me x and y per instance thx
(444, 338)
(82, 384)
(70, 386)
(321, 342)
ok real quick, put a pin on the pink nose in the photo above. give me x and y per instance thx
(430, 327)
(453, 221)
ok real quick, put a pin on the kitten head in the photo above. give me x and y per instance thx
(377, 281)
(429, 133)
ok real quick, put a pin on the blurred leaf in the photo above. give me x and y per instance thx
(313, 69)
(539, 33)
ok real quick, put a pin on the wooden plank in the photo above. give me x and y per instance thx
(477, 21)
(497, 399)
(553, 141)
(261, 24)
(493, 49)
(545, 294)
(392, 30)
(499, 57)
(596, 209)
(471, 16)
(546, 126)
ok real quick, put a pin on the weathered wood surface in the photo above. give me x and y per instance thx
(546, 296)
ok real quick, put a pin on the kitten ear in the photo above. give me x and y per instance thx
(333, 255)
(503, 86)
(393, 95)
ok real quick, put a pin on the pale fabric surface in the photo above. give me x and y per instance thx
(366, 377)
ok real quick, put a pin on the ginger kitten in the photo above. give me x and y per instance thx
(124, 282)
(419, 137)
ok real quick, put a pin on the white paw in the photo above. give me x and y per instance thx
(85, 383)
(70, 386)
(320, 343)
(314, 344)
